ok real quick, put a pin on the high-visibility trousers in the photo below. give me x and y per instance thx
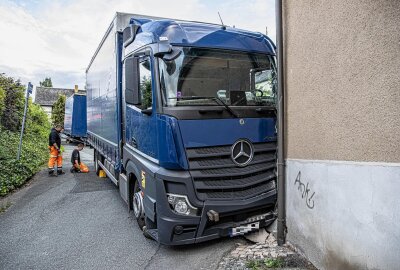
(55, 158)
(83, 168)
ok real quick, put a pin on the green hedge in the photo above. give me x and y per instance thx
(34, 154)
(13, 172)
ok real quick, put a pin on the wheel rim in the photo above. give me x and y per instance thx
(138, 205)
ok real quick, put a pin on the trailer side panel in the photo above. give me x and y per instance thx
(79, 116)
(68, 115)
(102, 98)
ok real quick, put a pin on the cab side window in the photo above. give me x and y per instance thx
(145, 84)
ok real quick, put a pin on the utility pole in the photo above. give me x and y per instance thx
(28, 91)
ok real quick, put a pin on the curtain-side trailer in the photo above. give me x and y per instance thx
(75, 123)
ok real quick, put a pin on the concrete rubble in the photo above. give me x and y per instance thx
(264, 246)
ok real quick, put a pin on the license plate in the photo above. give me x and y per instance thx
(243, 229)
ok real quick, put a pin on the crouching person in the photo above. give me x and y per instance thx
(77, 165)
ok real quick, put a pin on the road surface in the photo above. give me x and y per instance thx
(79, 221)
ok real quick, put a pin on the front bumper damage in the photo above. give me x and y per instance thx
(235, 217)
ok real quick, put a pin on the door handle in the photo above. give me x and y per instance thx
(134, 142)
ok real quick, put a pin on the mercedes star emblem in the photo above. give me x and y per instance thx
(242, 152)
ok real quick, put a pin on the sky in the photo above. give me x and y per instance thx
(57, 38)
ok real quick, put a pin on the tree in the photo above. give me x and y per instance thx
(13, 104)
(146, 92)
(46, 82)
(2, 97)
(37, 121)
(58, 112)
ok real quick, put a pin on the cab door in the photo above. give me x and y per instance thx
(140, 110)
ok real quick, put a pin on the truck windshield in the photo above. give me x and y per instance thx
(235, 78)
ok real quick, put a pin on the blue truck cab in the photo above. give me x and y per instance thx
(182, 118)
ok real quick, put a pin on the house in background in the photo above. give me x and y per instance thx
(47, 96)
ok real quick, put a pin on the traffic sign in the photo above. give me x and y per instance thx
(30, 87)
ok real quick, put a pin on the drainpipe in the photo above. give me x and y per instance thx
(281, 226)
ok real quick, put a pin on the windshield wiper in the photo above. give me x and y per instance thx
(226, 106)
(216, 99)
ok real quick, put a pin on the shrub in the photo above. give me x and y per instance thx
(2, 97)
(13, 104)
(34, 152)
(13, 172)
(58, 112)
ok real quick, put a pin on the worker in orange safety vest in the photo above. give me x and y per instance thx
(55, 147)
(77, 165)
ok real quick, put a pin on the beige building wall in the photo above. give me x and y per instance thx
(343, 79)
(47, 110)
(342, 72)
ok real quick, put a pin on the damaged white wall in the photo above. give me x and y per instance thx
(345, 215)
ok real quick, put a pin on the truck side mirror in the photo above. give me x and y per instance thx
(129, 34)
(132, 90)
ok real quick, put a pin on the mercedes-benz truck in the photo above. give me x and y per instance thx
(182, 118)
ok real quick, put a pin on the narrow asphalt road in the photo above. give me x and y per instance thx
(79, 221)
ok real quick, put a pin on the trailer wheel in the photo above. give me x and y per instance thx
(137, 203)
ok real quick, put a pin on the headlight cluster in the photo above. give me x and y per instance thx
(181, 205)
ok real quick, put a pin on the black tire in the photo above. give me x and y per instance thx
(141, 219)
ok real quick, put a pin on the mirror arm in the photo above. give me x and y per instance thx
(142, 53)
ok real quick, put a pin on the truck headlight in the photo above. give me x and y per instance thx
(181, 205)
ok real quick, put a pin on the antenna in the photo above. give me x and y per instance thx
(222, 23)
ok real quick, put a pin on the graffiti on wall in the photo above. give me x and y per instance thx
(305, 190)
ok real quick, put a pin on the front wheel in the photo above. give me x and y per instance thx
(138, 209)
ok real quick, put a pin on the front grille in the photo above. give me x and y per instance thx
(216, 176)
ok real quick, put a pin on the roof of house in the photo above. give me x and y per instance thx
(47, 96)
